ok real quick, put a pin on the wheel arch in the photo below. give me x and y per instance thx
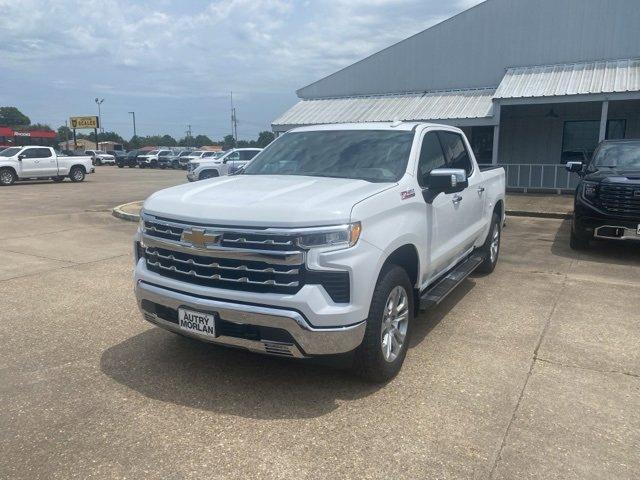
(78, 165)
(405, 256)
(8, 167)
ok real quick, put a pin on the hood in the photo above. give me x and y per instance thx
(614, 175)
(264, 200)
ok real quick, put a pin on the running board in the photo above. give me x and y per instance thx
(435, 293)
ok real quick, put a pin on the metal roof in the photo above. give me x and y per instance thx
(610, 76)
(445, 105)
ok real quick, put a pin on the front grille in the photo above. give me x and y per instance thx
(224, 273)
(620, 199)
(240, 259)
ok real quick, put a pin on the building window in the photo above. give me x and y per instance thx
(482, 143)
(580, 138)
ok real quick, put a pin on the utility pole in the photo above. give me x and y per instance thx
(134, 123)
(188, 132)
(66, 131)
(234, 122)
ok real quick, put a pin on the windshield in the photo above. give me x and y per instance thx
(211, 154)
(152, 152)
(371, 155)
(623, 156)
(10, 152)
(196, 154)
(184, 154)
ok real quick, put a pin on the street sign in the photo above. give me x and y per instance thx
(84, 122)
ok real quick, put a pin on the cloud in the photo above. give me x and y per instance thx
(194, 49)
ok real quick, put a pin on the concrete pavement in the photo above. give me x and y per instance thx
(531, 372)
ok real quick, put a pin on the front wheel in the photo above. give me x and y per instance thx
(576, 242)
(76, 174)
(386, 340)
(7, 177)
(208, 174)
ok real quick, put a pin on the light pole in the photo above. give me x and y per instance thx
(99, 102)
(134, 123)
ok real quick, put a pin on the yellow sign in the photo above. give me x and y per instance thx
(84, 122)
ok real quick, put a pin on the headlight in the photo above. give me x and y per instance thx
(590, 190)
(345, 235)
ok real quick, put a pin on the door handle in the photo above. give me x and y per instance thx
(480, 190)
(457, 199)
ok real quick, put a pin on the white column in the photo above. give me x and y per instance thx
(496, 134)
(604, 115)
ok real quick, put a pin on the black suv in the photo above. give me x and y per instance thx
(607, 201)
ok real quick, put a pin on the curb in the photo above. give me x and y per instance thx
(523, 213)
(118, 212)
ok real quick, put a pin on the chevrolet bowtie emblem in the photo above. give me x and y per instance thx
(197, 237)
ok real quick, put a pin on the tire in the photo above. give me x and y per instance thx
(154, 164)
(576, 242)
(98, 162)
(57, 179)
(491, 248)
(76, 174)
(120, 166)
(386, 339)
(208, 174)
(7, 177)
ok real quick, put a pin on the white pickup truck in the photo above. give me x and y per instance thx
(328, 242)
(22, 163)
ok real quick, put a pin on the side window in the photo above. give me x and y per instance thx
(37, 153)
(44, 152)
(247, 154)
(431, 156)
(454, 150)
(233, 157)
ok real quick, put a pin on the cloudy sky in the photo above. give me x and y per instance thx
(174, 62)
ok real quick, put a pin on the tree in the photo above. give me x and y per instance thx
(39, 126)
(228, 142)
(202, 140)
(167, 141)
(264, 139)
(12, 117)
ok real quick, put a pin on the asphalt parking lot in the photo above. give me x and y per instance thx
(531, 372)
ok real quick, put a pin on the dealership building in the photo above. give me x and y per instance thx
(533, 83)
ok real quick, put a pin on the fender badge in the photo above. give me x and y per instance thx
(407, 194)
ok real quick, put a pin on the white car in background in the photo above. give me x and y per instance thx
(22, 163)
(100, 157)
(228, 163)
(150, 159)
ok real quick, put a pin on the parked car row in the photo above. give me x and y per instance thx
(227, 163)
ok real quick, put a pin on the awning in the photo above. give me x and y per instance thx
(432, 106)
(6, 132)
(590, 78)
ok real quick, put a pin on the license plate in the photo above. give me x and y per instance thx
(197, 322)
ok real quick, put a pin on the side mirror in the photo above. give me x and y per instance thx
(444, 180)
(21, 157)
(574, 167)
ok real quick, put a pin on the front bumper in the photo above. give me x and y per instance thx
(591, 222)
(275, 331)
(192, 176)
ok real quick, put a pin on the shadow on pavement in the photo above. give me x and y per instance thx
(178, 370)
(600, 251)
(174, 369)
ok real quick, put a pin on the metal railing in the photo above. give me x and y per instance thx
(528, 177)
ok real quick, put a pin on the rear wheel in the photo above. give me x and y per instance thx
(76, 174)
(386, 340)
(491, 247)
(57, 179)
(7, 177)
